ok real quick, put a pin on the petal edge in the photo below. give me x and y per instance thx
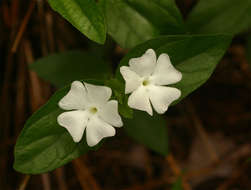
(139, 100)
(97, 130)
(165, 73)
(161, 97)
(144, 65)
(76, 98)
(75, 122)
(132, 80)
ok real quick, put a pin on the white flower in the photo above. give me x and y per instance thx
(145, 78)
(90, 109)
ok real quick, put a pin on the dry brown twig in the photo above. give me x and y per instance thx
(23, 27)
(177, 171)
(151, 184)
(201, 131)
(239, 170)
(24, 182)
(60, 176)
(11, 12)
(20, 113)
(86, 180)
(37, 99)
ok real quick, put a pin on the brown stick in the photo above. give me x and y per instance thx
(46, 181)
(86, 180)
(14, 13)
(5, 112)
(177, 171)
(6, 96)
(151, 184)
(24, 182)
(42, 33)
(6, 14)
(36, 99)
(49, 27)
(242, 151)
(60, 176)
(235, 175)
(23, 27)
(36, 93)
(201, 132)
(20, 111)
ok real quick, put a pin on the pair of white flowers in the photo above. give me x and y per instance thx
(90, 108)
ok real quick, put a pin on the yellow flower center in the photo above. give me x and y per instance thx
(145, 82)
(93, 110)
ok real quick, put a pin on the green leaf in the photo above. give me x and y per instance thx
(196, 56)
(84, 15)
(43, 145)
(63, 68)
(118, 88)
(131, 22)
(220, 16)
(150, 131)
(177, 185)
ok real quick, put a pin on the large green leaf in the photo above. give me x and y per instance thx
(43, 145)
(84, 15)
(131, 22)
(63, 68)
(220, 16)
(150, 131)
(196, 56)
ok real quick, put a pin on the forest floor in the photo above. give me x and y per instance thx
(209, 131)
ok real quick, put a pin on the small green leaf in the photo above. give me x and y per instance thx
(148, 130)
(177, 185)
(62, 68)
(131, 22)
(118, 88)
(196, 56)
(43, 145)
(124, 109)
(84, 15)
(220, 16)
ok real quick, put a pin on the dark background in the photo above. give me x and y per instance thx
(209, 131)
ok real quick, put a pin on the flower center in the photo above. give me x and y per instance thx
(145, 82)
(93, 110)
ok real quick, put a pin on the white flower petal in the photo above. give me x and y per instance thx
(144, 65)
(161, 97)
(139, 100)
(131, 78)
(75, 122)
(165, 73)
(98, 94)
(76, 98)
(97, 130)
(109, 113)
